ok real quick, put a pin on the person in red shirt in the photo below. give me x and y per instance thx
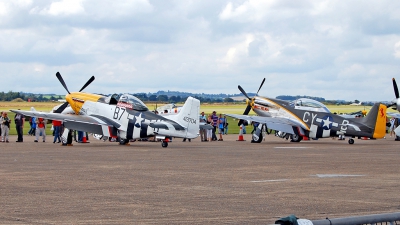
(40, 128)
(57, 130)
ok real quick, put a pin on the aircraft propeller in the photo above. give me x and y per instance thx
(249, 100)
(395, 102)
(65, 105)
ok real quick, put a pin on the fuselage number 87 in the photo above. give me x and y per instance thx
(118, 113)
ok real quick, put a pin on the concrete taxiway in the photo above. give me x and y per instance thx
(196, 182)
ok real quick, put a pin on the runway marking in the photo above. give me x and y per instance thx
(337, 175)
(293, 147)
(264, 181)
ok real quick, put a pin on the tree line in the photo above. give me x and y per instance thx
(175, 99)
(11, 96)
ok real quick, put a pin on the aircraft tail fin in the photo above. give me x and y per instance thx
(188, 116)
(376, 119)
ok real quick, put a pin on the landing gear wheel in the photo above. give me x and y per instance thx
(351, 141)
(98, 136)
(123, 141)
(296, 138)
(164, 144)
(256, 139)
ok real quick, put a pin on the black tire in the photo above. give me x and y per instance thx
(351, 141)
(164, 144)
(256, 141)
(296, 138)
(123, 141)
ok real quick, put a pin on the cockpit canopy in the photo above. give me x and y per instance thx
(310, 104)
(131, 102)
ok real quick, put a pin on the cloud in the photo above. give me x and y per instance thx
(64, 7)
(397, 50)
(332, 49)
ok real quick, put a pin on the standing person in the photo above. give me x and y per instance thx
(226, 126)
(57, 130)
(32, 122)
(5, 127)
(19, 120)
(1, 114)
(30, 125)
(221, 122)
(244, 127)
(392, 126)
(209, 131)
(40, 129)
(203, 132)
(214, 117)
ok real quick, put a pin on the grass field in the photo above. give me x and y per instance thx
(207, 108)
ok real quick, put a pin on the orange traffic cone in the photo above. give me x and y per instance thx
(241, 133)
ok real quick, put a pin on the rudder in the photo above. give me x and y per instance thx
(189, 116)
(376, 119)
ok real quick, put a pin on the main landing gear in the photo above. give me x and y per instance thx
(124, 141)
(296, 138)
(164, 143)
(351, 141)
(256, 139)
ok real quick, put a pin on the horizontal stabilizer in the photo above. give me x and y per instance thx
(161, 125)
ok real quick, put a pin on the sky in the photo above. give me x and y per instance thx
(335, 49)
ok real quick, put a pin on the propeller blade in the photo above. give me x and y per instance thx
(262, 83)
(396, 90)
(62, 107)
(58, 75)
(246, 112)
(243, 92)
(390, 105)
(87, 83)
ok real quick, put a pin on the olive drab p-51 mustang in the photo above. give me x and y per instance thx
(122, 116)
(309, 118)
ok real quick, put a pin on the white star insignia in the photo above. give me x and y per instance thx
(327, 122)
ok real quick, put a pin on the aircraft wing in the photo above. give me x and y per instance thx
(205, 126)
(395, 115)
(274, 123)
(94, 123)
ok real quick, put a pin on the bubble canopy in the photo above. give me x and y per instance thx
(310, 104)
(133, 102)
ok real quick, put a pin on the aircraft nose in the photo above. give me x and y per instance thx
(398, 104)
(250, 102)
